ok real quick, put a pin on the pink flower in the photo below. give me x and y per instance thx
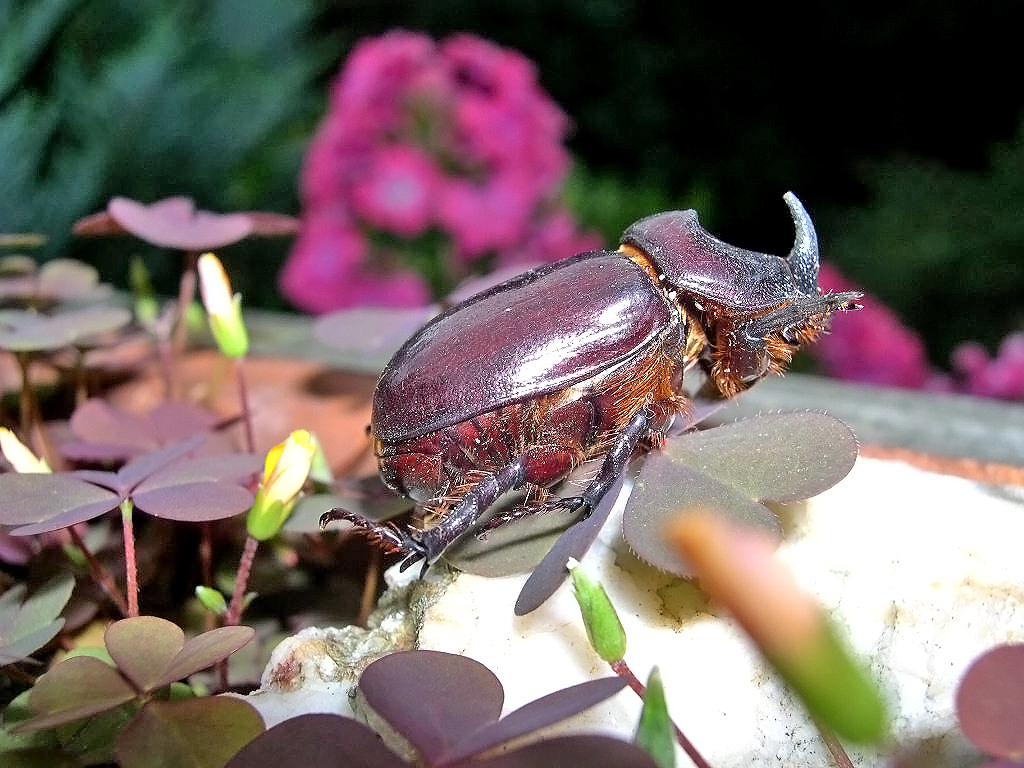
(488, 216)
(555, 237)
(398, 191)
(372, 88)
(327, 271)
(422, 140)
(871, 345)
(980, 374)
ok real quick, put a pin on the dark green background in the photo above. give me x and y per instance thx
(895, 123)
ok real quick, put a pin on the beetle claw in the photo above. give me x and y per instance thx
(391, 538)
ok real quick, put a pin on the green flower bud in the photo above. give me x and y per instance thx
(604, 629)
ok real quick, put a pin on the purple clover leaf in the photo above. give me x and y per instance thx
(461, 724)
(29, 331)
(990, 702)
(107, 433)
(175, 222)
(163, 725)
(167, 483)
(24, 283)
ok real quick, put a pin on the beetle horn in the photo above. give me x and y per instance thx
(803, 258)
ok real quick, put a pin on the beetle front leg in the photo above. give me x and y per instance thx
(468, 511)
(429, 545)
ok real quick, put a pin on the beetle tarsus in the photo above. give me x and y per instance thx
(390, 537)
(568, 504)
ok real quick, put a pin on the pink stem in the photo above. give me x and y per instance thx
(234, 614)
(243, 396)
(621, 668)
(130, 564)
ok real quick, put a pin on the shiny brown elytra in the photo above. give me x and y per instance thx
(578, 360)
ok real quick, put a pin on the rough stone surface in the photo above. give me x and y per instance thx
(923, 571)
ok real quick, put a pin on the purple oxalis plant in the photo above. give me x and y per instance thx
(171, 482)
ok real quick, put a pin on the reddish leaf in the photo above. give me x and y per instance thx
(192, 733)
(538, 714)
(194, 502)
(153, 653)
(777, 457)
(174, 222)
(106, 431)
(74, 689)
(143, 648)
(366, 337)
(68, 518)
(233, 467)
(773, 457)
(589, 751)
(205, 650)
(990, 702)
(30, 498)
(665, 487)
(265, 224)
(316, 741)
(575, 542)
(463, 697)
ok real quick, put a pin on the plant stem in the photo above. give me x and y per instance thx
(621, 668)
(234, 614)
(243, 396)
(99, 572)
(369, 596)
(131, 571)
(835, 747)
(29, 408)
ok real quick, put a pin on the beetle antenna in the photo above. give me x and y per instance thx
(804, 257)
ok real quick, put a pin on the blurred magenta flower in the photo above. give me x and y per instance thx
(450, 149)
(1002, 376)
(872, 345)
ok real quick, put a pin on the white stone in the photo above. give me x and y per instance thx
(924, 572)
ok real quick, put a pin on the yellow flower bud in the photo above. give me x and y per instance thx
(18, 454)
(284, 474)
(223, 308)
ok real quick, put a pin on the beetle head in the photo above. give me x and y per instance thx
(754, 309)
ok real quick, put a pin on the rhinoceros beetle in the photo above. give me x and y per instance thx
(579, 360)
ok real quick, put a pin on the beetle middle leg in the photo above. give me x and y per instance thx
(617, 457)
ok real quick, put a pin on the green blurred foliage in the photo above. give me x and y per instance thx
(942, 247)
(146, 98)
(686, 104)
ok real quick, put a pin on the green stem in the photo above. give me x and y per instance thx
(131, 570)
(621, 668)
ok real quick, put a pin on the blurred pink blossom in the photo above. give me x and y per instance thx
(422, 139)
(328, 264)
(874, 347)
(557, 233)
(398, 192)
(871, 345)
(980, 374)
